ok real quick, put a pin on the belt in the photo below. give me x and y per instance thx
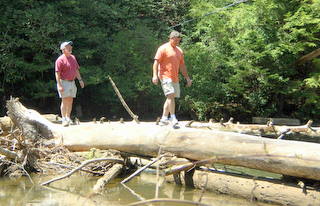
(67, 80)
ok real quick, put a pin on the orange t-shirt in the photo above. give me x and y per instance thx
(170, 58)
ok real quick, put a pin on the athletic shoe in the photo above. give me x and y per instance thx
(163, 122)
(65, 123)
(69, 121)
(174, 121)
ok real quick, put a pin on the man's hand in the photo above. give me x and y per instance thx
(155, 80)
(189, 82)
(60, 88)
(81, 84)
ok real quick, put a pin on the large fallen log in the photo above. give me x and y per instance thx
(260, 189)
(6, 125)
(291, 158)
(30, 122)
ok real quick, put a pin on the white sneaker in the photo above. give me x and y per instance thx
(174, 121)
(65, 123)
(69, 121)
(163, 122)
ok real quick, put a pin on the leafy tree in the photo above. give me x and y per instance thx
(116, 38)
(254, 46)
(242, 58)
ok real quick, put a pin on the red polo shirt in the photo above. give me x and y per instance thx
(67, 67)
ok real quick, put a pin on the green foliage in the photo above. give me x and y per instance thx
(241, 59)
(116, 38)
(255, 45)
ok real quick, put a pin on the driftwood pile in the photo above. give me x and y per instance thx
(32, 143)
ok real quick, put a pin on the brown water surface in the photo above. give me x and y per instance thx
(76, 191)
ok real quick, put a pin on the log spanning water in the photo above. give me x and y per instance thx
(291, 158)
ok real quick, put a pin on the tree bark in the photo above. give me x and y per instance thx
(107, 177)
(308, 57)
(286, 157)
(292, 158)
(268, 190)
(30, 122)
(6, 124)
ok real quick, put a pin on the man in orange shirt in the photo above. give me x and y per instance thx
(168, 61)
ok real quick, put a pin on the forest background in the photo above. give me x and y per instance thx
(242, 59)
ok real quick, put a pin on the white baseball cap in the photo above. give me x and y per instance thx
(64, 44)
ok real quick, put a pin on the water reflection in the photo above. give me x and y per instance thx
(76, 190)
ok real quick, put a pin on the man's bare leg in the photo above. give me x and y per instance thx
(69, 107)
(66, 108)
(168, 107)
(63, 108)
(172, 108)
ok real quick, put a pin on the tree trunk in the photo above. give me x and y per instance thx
(30, 122)
(107, 177)
(308, 57)
(268, 190)
(291, 158)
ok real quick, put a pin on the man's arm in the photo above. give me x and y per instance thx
(58, 79)
(184, 72)
(155, 72)
(78, 75)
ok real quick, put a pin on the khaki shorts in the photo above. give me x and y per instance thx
(70, 89)
(170, 87)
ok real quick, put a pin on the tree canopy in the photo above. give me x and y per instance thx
(242, 59)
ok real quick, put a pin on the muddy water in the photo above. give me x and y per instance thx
(76, 191)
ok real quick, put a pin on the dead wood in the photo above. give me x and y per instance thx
(134, 117)
(81, 166)
(304, 132)
(252, 188)
(163, 200)
(9, 154)
(72, 167)
(30, 122)
(291, 158)
(6, 125)
(279, 156)
(141, 169)
(112, 173)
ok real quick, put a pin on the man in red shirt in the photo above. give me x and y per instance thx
(168, 61)
(66, 70)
